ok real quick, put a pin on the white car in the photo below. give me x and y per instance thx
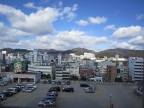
(32, 85)
(27, 90)
(139, 90)
(46, 103)
(12, 90)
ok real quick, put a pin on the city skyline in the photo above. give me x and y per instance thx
(96, 24)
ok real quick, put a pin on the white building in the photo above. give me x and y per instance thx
(116, 58)
(62, 73)
(44, 68)
(40, 62)
(136, 68)
(88, 56)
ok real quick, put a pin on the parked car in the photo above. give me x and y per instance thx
(2, 83)
(84, 85)
(49, 81)
(44, 82)
(50, 97)
(42, 104)
(139, 91)
(32, 85)
(63, 82)
(89, 90)
(2, 97)
(54, 92)
(20, 85)
(53, 82)
(68, 82)
(27, 90)
(46, 103)
(57, 88)
(12, 90)
(18, 89)
(31, 88)
(8, 94)
(68, 89)
(59, 82)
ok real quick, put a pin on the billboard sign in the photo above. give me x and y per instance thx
(18, 66)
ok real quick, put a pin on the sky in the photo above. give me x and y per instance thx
(66, 24)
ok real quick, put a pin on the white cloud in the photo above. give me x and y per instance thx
(10, 34)
(123, 45)
(82, 23)
(69, 12)
(31, 5)
(74, 38)
(74, 8)
(139, 17)
(139, 40)
(110, 27)
(97, 20)
(60, 3)
(38, 23)
(128, 32)
(64, 40)
(71, 16)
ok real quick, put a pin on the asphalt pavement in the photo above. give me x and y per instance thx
(122, 97)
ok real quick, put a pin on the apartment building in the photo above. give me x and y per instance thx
(85, 71)
(62, 73)
(136, 68)
(111, 73)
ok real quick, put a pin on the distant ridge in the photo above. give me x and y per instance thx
(80, 51)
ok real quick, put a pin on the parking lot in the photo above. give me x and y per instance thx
(122, 97)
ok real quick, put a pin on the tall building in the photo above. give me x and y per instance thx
(59, 58)
(112, 73)
(136, 68)
(40, 62)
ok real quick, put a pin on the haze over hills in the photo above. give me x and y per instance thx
(79, 51)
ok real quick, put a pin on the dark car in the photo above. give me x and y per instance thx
(8, 94)
(49, 81)
(59, 82)
(68, 89)
(68, 82)
(18, 89)
(84, 85)
(57, 88)
(44, 82)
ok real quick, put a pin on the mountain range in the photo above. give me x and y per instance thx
(80, 51)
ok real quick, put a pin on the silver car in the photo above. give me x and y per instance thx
(89, 90)
(27, 90)
(46, 103)
(2, 97)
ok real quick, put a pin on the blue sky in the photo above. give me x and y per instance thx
(67, 24)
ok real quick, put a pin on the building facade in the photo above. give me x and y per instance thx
(136, 68)
(111, 73)
(85, 71)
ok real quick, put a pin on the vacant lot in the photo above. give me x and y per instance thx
(122, 97)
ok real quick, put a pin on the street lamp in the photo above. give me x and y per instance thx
(111, 101)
